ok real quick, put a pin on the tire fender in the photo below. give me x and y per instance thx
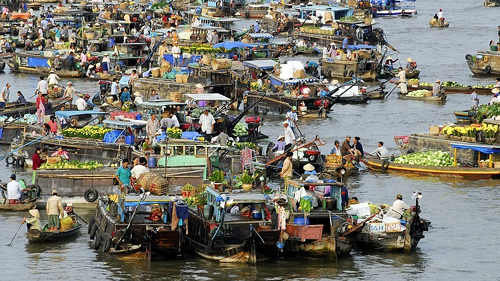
(385, 165)
(280, 109)
(91, 224)
(107, 244)
(74, 122)
(10, 160)
(487, 69)
(97, 242)
(21, 162)
(37, 189)
(93, 231)
(90, 195)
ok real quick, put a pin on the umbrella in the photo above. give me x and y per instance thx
(232, 45)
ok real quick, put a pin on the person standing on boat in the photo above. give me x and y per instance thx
(69, 92)
(70, 60)
(475, 99)
(381, 152)
(124, 176)
(410, 65)
(287, 169)
(139, 169)
(105, 64)
(133, 77)
(292, 117)
(289, 136)
(54, 210)
(440, 15)
(34, 221)
(207, 122)
(176, 53)
(152, 127)
(115, 88)
(175, 120)
(14, 190)
(398, 208)
(358, 147)
(4, 95)
(37, 160)
(436, 88)
(40, 107)
(345, 43)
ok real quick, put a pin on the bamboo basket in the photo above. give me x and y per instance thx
(154, 183)
(155, 71)
(221, 64)
(176, 96)
(207, 59)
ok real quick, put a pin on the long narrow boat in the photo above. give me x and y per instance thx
(453, 90)
(30, 107)
(431, 98)
(17, 207)
(35, 235)
(464, 172)
(34, 63)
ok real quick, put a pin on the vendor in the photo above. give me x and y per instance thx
(398, 208)
(279, 147)
(61, 153)
(34, 221)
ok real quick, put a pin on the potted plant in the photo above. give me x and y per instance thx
(246, 181)
(217, 177)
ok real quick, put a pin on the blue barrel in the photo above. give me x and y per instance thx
(129, 140)
(300, 220)
(151, 162)
(111, 43)
(138, 116)
(197, 11)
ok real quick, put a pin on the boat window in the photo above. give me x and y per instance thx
(189, 150)
(178, 150)
(200, 150)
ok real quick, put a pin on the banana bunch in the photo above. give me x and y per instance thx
(113, 197)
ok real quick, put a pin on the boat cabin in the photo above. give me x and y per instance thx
(335, 13)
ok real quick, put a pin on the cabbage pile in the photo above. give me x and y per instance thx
(240, 130)
(417, 93)
(427, 158)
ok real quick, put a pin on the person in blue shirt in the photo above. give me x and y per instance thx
(20, 98)
(280, 144)
(311, 68)
(345, 43)
(123, 175)
(125, 95)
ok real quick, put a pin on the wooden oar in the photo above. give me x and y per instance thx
(10, 243)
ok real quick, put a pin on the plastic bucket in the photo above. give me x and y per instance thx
(300, 220)
(111, 42)
(151, 162)
(280, 245)
(129, 140)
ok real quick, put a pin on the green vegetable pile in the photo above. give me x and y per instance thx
(483, 87)
(197, 112)
(240, 130)
(426, 84)
(486, 111)
(171, 74)
(72, 165)
(427, 158)
(417, 93)
(453, 84)
(243, 145)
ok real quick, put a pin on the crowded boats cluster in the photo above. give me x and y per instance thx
(171, 149)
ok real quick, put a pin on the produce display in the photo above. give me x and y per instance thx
(128, 115)
(413, 81)
(174, 133)
(417, 93)
(483, 87)
(27, 119)
(172, 74)
(87, 132)
(202, 49)
(486, 111)
(72, 165)
(489, 130)
(426, 84)
(427, 158)
(240, 130)
(453, 84)
(243, 145)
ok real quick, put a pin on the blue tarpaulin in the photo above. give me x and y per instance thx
(192, 59)
(360, 47)
(232, 45)
(480, 148)
(36, 62)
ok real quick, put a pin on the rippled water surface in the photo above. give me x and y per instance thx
(463, 243)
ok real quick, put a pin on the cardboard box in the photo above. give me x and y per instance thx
(434, 130)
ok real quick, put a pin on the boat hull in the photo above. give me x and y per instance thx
(17, 207)
(36, 236)
(486, 63)
(466, 173)
(431, 98)
(44, 71)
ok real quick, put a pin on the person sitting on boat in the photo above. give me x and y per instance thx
(28, 44)
(175, 120)
(34, 221)
(14, 190)
(270, 85)
(54, 210)
(398, 208)
(61, 153)
(381, 152)
(53, 125)
(495, 98)
(53, 79)
(57, 62)
(305, 90)
(146, 145)
(389, 63)
(37, 160)
(475, 99)
(69, 92)
(123, 176)
(336, 148)
(410, 66)
(440, 15)
(436, 88)
(346, 149)
(279, 147)
(222, 138)
(138, 98)
(358, 147)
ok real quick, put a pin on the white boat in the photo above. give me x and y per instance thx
(386, 8)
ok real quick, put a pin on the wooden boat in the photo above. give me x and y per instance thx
(364, 67)
(40, 65)
(464, 172)
(437, 23)
(255, 11)
(234, 237)
(17, 207)
(491, 3)
(464, 116)
(129, 221)
(431, 98)
(485, 62)
(37, 236)
(13, 109)
(385, 234)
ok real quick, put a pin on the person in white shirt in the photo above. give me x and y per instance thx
(42, 86)
(139, 169)
(81, 104)
(4, 95)
(292, 117)
(207, 122)
(138, 98)
(175, 120)
(69, 92)
(176, 52)
(14, 190)
(115, 88)
(398, 208)
(381, 151)
(289, 136)
(440, 14)
(53, 79)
